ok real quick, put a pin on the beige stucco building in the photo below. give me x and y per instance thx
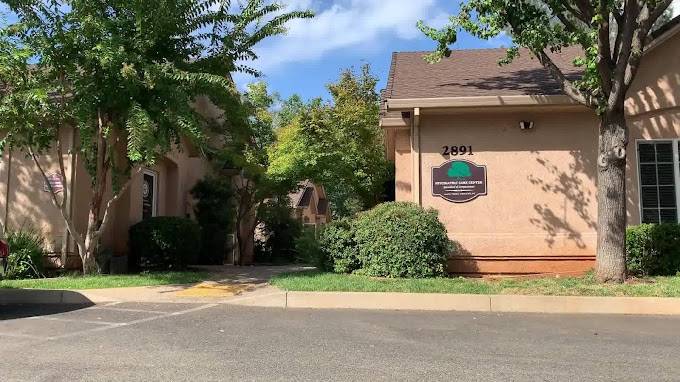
(310, 205)
(530, 206)
(25, 202)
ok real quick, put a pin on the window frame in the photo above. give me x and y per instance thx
(154, 204)
(676, 171)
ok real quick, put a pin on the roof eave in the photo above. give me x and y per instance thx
(664, 34)
(487, 101)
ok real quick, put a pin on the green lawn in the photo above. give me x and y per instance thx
(108, 281)
(549, 286)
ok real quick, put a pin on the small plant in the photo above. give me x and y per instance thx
(653, 249)
(26, 255)
(278, 234)
(165, 243)
(309, 250)
(215, 214)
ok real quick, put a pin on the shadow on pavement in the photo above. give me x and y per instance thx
(20, 303)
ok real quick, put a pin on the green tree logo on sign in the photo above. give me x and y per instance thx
(459, 170)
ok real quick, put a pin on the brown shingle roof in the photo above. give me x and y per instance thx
(475, 72)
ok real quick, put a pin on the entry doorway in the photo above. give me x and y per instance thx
(149, 194)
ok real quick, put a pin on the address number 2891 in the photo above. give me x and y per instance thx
(457, 150)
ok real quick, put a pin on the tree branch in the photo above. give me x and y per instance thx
(113, 200)
(55, 201)
(566, 85)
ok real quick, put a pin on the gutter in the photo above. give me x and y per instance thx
(493, 101)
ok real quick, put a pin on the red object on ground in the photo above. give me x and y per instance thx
(4, 249)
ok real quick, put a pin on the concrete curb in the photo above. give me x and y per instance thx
(44, 296)
(389, 301)
(485, 303)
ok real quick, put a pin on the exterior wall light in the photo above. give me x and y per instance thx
(526, 125)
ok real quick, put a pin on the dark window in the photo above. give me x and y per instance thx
(657, 182)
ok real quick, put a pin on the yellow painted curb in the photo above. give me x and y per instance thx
(213, 289)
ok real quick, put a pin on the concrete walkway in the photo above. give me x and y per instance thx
(225, 284)
(249, 286)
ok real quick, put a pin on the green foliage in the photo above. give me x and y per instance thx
(309, 250)
(127, 74)
(339, 145)
(653, 249)
(165, 243)
(337, 241)
(401, 240)
(279, 232)
(610, 33)
(26, 255)
(215, 214)
(390, 240)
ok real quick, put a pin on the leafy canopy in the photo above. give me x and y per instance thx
(131, 67)
(338, 144)
(611, 33)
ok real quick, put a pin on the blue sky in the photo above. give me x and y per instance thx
(349, 33)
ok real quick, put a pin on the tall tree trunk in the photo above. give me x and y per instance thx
(611, 197)
(245, 234)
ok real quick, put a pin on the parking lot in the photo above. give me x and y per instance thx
(218, 342)
(27, 323)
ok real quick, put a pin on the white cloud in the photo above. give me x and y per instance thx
(345, 24)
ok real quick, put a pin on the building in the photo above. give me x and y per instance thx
(509, 161)
(310, 205)
(161, 190)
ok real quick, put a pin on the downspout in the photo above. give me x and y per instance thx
(415, 150)
(7, 190)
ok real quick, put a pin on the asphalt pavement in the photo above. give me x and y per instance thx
(209, 342)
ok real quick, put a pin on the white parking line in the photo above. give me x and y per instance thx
(76, 320)
(130, 323)
(19, 335)
(107, 307)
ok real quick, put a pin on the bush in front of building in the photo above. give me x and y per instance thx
(215, 214)
(278, 232)
(165, 243)
(309, 250)
(339, 247)
(398, 239)
(25, 260)
(653, 249)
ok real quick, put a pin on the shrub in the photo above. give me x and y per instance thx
(399, 239)
(163, 243)
(309, 250)
(215, 214)
(338, 247)
(653, 249)
(279, 230)
(26, 255)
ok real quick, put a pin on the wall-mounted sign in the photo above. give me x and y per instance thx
(55, 181)
(459, 181)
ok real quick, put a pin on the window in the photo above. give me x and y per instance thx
(149, 194)
(659, 169)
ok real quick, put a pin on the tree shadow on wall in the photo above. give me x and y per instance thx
(578, 197)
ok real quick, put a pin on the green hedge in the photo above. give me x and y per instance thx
(26, 250)
(653, 249)
(392, 240)
(215, 213)
(339, 248)
(165, 243)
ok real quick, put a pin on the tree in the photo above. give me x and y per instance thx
(125, 73)
(613, 35)
(339, 145)
(247, 152)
